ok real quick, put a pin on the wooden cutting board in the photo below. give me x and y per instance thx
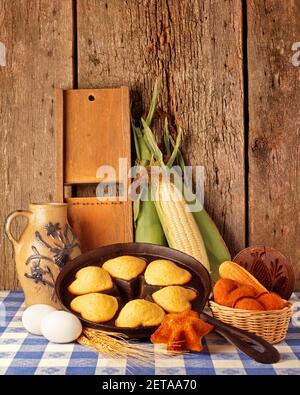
(93, 130)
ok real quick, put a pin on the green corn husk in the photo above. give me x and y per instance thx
(216, 248)
(148, 228)
(171, 142)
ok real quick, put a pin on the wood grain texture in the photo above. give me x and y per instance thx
(38, 38)
(100, 223)
(97, 133)
(59, 145)
(274, 128)
(195, 49)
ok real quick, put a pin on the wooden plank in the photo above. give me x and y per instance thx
(274, 129)
(99, 223)
(59, 145)
(195, 48)
(38, 38)
(97, 133)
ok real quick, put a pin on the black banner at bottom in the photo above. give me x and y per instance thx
(133, 384)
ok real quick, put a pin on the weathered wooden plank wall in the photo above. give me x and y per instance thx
(196, 52)
(39, 38)
(197, 49)
(274, 127)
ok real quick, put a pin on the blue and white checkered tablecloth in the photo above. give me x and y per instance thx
(26, 354)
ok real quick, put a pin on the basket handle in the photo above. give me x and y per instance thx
(249, 343)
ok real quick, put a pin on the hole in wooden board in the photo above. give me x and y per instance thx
(90, 190)
(91, 98)
(68, 191)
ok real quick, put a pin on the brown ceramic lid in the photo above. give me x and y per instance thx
(270, 267)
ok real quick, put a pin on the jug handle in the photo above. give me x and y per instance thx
(8, 221)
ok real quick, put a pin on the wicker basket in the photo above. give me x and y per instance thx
(271, 325)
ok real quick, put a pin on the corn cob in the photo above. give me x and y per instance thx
(178, 223)
(233, 271)
(212, 242)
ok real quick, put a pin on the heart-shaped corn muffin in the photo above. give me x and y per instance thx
(174, 299)
(163, 272)
(140, 312)
(90, 279)
(95, 307)
(125, 267)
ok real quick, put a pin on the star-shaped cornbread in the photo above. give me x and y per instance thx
(182, 331)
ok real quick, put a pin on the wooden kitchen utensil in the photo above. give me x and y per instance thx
(93, 130)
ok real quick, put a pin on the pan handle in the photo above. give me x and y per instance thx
(249, 343)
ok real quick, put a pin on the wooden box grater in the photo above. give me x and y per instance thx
(92, 130)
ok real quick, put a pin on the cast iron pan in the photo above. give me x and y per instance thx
(252, 345)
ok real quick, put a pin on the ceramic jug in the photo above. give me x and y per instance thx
(45, 246)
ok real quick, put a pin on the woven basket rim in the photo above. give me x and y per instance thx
(286, 309)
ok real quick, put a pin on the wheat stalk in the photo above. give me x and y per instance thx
(117, 345)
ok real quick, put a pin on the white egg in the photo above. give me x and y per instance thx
(33, 315)
(61, 327)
